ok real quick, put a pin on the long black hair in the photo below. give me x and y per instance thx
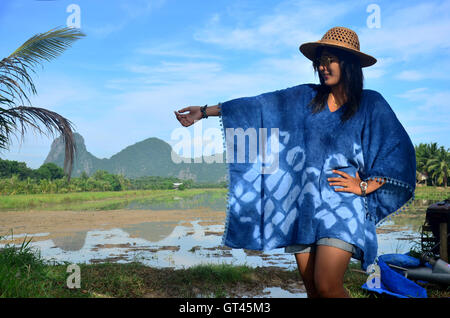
(352, 79)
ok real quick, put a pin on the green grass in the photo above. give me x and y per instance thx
(24, 274)
(354, 278)
(213, 280)
(208, 280)
(111, 200)
(81, 201)
(432, 193)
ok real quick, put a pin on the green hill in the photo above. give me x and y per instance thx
(150, 157)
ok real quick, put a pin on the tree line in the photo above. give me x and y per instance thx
(17, 178)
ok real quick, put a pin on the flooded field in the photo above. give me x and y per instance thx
(180, 234)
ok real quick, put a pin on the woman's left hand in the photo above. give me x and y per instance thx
(347, 182)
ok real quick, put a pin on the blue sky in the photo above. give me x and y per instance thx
(143, 59)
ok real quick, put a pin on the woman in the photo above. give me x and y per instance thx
(345, 164)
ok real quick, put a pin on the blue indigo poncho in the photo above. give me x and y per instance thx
(278, 193)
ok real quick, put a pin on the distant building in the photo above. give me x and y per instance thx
(421, 178)
(177, 184)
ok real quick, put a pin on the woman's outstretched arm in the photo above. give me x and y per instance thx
(194, 114)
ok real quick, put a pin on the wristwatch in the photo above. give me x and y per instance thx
(203, 110)
(363, 185)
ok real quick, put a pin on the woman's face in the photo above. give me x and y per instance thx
(329, 68)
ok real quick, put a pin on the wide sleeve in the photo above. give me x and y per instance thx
(251, 127)
(240, 120)
(388, 153)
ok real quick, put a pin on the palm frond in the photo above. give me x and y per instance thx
(21, 117)
(15, 69)
(46, 46)
(15, 81)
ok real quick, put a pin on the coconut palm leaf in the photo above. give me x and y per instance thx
(16, 81)
(14, 69)
(34, 117)
(425, 152)
(439, 166)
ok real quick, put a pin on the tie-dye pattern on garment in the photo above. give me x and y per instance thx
(280, 154)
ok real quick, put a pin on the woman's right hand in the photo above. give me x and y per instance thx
(188, 119)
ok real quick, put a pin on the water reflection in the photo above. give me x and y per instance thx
(277, 292)
(71, 241)
(151, 231)
(184, 243)
(402, 232)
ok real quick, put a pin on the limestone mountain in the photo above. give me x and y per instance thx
(150, 157)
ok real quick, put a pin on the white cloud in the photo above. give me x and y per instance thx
(105, 29)
(426, 114)
(430, 73)
(136, 8)
(291, 24)
(409, 31)
(175, 49)
(128, 11)
(415, 94)
(380, 68)
(410, 75)
(182, 68)
(427, 106)
(56, 90)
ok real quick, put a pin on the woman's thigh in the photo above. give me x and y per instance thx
(305, 264)
(330, 265)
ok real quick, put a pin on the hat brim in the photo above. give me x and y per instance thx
(309, 50)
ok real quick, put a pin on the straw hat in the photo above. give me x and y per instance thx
(342, 38)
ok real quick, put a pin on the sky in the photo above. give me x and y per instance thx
(143, 59)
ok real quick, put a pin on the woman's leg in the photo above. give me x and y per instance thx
(329, 269)
(305, 264)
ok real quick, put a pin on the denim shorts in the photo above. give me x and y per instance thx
(310, 248)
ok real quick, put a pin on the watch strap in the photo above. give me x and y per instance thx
(203, 110)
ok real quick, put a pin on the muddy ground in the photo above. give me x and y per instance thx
(59, 223)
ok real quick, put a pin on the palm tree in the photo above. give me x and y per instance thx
(425, 152)
(15, 80)
(439, 166)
